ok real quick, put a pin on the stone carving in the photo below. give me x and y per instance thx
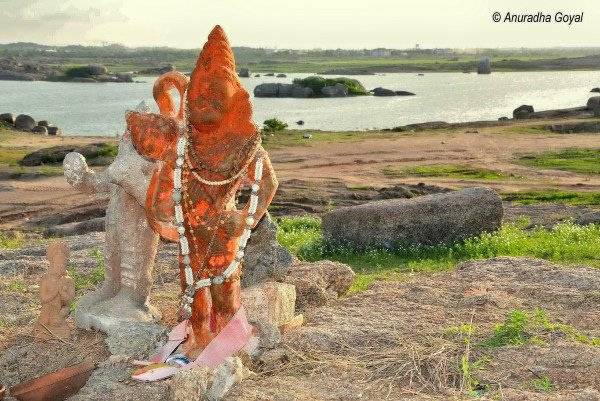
(209, 149)
(131, 244)
(57, 291)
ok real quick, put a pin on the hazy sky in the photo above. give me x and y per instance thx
(296, 24)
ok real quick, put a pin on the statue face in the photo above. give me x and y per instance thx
(58, 256)
(213, 104)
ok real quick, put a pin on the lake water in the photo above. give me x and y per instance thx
(97, 109)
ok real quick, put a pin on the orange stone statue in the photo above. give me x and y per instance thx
(208, 149)
(57, 291)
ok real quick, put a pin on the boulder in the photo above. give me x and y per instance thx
(52, 130)
(383, 92)
(270, 74)
(40, 129)
(337, 90)
(264, 258)
(596, 90)
(124, 76)
(7, 118)
(56, 154)
(300, 122)
(106, 78)
(266, 90)
(281, 76)
(523, 111)
(319, 283)
(97, 69)
(593, 102)
(204, 383)
(284, 90)
(270, 302)
(244, 73)
(256, 75)
(434, 219)
(43, 123)
(503, 118)
(404, 93)
(301, 91)
(24, 122)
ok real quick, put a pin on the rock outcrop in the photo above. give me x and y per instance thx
(96, 153)
(593, 102)
(282, 90)
(24, 122)
(337, 90)
(424, 220)
(389, 92)
(244, 73)
(319, 283)
(523, 111)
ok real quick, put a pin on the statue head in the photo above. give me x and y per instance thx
(215, 91)
(57, 254)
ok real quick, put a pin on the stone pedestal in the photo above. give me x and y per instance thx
(270, 302)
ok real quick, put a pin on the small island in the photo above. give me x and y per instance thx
(319, 87)
(13, 70)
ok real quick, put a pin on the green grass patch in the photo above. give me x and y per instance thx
(85, 281)
(446, 171)
(565, 243)
(543, 384)
(553, 196)
(11, 241)
(317, 83)
(577, 160)
(522, 327)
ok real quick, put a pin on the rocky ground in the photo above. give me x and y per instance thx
(397, 340)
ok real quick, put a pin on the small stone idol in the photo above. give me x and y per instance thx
(57, 290)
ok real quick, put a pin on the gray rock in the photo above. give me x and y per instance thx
(244, 73)
(588, 218)
(270, 74)
(264, 258)
(593, 102)
(203, 383)
(43, 123)
(52, 130)
(503, 118)
(77, 228)
(595, 90)
(266, 90)
(319, 283)
(484, 66)
(7, 118)
(523, 111)
(112, 381)
(307, 136)
(301, 91)
(56, 154)
(281, 76)
(383, 92)
(284, 90)
(424, 220)
(24, 122)
(40, 129)
(124, 76)
(404, 93)
(337, 90)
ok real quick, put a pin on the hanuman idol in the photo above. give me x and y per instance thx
(208, 149)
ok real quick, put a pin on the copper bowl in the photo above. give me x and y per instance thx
(54, 386)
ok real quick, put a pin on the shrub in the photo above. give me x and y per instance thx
(78, 72)
(274, 124)
(317, 83)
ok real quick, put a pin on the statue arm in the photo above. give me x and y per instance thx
(82, 178)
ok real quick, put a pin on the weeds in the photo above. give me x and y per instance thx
(577, 160)
(446, 171)
(84, 281)
(554, 196)
(565, 243)
(543, 383)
